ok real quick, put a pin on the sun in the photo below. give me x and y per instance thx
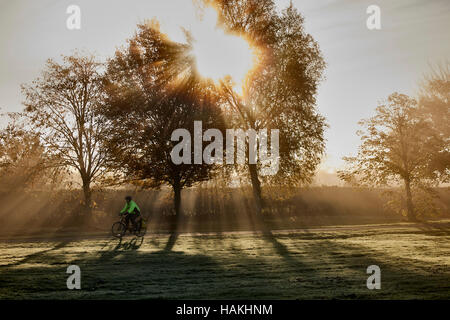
(219, 54)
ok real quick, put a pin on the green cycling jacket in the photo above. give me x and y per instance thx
(130, 207)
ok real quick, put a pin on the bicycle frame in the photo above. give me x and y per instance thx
(138, 228)
(129, 226)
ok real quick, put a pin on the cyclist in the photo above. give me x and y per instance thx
(131, 210)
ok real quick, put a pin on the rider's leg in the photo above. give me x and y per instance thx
(138, 218)
(127, 219)
(133, 220)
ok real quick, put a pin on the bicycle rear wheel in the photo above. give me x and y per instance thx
(118, 229)
(141, 228)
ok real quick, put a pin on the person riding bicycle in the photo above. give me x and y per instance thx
(131, 210)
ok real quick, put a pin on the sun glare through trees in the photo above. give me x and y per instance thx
(219, 54)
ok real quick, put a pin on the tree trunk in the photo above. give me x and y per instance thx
(177, 199)
(256, 185)
(177, 205)
(175, 222)
(409, 203)
(87, 195)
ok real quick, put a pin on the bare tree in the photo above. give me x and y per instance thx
(60, 106)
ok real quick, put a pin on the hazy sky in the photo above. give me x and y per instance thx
(363, 66)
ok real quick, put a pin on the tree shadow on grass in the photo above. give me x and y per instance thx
(171, 241)
(344, 267)
(339, 270)
(281, 249)
(37, 255)
(120, 272)
(435, 228)
(319, 268)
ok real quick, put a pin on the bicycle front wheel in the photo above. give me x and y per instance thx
(118, 229)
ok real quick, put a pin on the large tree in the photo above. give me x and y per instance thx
(60, 106)
(398, 144)
(151, 90)
(280, 92)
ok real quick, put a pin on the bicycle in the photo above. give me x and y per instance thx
(119, 228)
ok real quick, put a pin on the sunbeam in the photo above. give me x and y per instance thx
(218, 54)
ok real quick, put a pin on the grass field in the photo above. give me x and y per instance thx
(322, 263)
